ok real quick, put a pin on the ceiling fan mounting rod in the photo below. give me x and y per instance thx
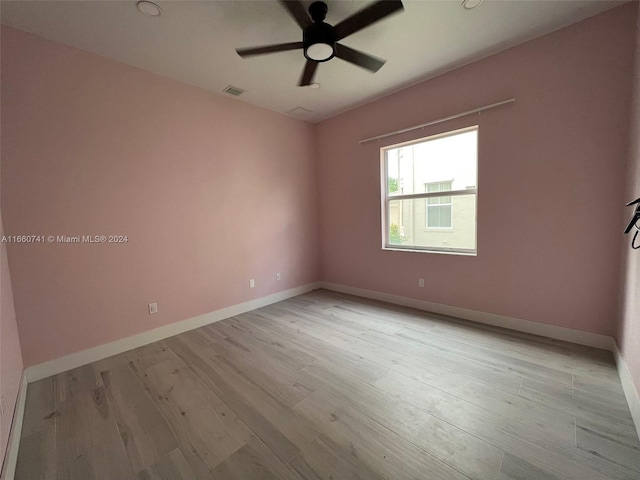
(318, 11)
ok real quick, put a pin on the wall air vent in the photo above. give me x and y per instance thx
(235, 91)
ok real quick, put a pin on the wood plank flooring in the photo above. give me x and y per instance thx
(329, 386)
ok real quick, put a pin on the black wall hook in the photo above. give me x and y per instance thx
(635, 221)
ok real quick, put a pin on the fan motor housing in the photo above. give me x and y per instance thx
(319, 32)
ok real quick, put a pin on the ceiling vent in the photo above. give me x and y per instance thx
(235, 91)
(300, 112)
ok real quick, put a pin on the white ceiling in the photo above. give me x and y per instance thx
(195, 41)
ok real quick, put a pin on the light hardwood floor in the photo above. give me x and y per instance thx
(328, 386)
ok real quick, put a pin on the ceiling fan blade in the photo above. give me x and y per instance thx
(298, 12)
(367, 16)
(308, 73)
(359, 58)
(280, 47)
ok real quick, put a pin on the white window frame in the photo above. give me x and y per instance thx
(386, 198)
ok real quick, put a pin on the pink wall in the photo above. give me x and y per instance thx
(10, 354)
(629, 334)
(550, 173)
(210, 192)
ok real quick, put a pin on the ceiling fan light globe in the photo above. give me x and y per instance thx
(319, 52)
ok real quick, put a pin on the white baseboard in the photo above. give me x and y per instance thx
(633, 398)
(11, 456)
(551, 331)
(59, 365)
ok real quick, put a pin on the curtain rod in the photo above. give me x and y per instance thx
(441, 120)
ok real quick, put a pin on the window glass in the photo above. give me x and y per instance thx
(430, 193)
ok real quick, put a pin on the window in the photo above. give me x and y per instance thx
(430, 192)
(439, 211)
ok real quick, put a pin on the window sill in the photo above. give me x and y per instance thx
(464, 253)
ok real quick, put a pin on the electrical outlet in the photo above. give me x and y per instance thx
(252, 283)
(153, 308)
(421, 282)
(278, 276)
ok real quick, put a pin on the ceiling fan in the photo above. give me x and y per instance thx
(320, 40)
